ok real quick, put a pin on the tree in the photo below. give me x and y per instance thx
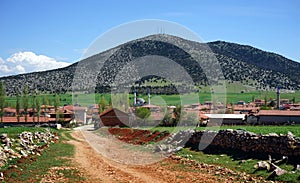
(191, 119)
(38, 108)
(45, 103)
(25, 102)
(272, 103)
(18, 106)
(109, 102)
(265, 101)
(143, 113)
(167, 121)
(214, 103)
(56, 105)
(2, 99)
(293, 100)
(102, 104)
(177, 115)
(33, 106)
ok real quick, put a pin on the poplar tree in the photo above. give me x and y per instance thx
(56, 105)
(45, 103)
(38, 108)
(2, 99)
(18, 106)
(33, 106)
(25, 102)
(102, 104)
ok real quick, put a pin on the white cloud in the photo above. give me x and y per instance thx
(24, 62)
(20, 69)
(4, 69)
(1, 61)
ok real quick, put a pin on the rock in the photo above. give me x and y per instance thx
(296, 167)
(230, 130)
(178, 148)
(290, 135)
(242, 161)
(277, 172)
(158, 148)
(273, 135)
(23, 153)
(262, 165)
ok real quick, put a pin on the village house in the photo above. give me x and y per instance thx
(294, 107)
(226, 119)
(114, 117)
(47, 115)
(259, 102)
(151, 107)
(277, 117)
(80, 114)
(245, 109)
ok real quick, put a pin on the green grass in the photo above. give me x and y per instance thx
(69, 136)
(256, 129)
(15, 131)
(268, 129)
(232, 162)
(33, 168)
(233, 94)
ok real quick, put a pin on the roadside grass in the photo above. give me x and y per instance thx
(68, 136)
(33, 168)
(232, 160)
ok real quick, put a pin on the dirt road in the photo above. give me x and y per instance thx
(98, 166)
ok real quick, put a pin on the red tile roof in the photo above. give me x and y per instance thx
(278, 113)
(22, 119)
(74, 108)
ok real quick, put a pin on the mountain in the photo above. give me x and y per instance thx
(261, 59)
(100, 72)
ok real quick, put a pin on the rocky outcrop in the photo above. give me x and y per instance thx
(26, 144)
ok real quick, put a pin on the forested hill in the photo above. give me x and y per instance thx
(259, 58)
(249, 65)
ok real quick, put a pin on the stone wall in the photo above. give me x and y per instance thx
(287, 145)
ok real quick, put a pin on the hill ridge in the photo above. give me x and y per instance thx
(242, 63)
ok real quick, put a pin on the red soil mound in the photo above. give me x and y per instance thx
(138, 137)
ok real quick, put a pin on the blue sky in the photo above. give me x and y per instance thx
(41, 34)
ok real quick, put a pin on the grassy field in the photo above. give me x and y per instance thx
(88, 99)
(32, 169)
(256, 129)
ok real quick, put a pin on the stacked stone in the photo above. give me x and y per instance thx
(27, 143)
(174, 142)
(287, 145)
